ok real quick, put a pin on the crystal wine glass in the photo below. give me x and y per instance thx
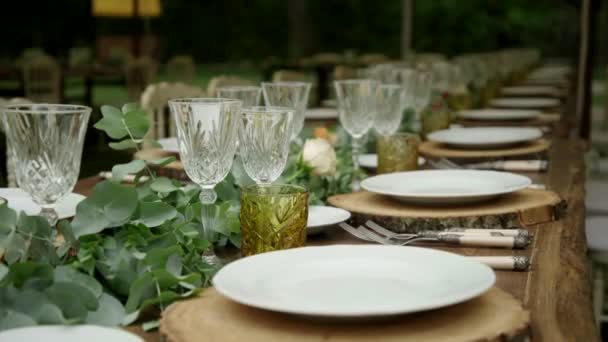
(207, 130)
(289, 94)
(390, 108)
(250, 95)
(46, 144)
(265, 133)
(357, 106)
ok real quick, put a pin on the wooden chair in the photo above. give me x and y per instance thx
(181, 69)
(154, 100)
(42, 79)
(342, 72)
(226, 81)
(11, 178)
(139, 74)
(297, 76)
(373, 58)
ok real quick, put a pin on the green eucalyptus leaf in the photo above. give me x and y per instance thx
(36, 305)
(74, 300)
(112, 122)
(147, 286)
(28, 274)
(137, 123)
(128, 107)
(34, 225)
(153, 214)
(3, 271)
(8, 220)
(65, 228)
(152, 143)
(131, 317)
(110, 312)
(121, 170)
(123, 144)
(70, 274)
(151, 325)
(109, 205)
(163, 161)
(10, 319)
(15, 248)
(163, 184)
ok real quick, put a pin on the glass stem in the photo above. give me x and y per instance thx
(356, 150)
(208, 198)
(49, 213)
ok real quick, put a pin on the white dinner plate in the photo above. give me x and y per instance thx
(485, 137)
(353, 280)
(491, 114)
(443, 187)
(370, 160)
(321, 217)
(68, 333)
(169, 144)
(20, 200)
(529, 90)
(525, 102)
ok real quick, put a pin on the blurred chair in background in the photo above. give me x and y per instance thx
(372, 58)
(42, 79)
(139, 74)
(80, 57)
(181, 69)
(154, 101)
(226, 81)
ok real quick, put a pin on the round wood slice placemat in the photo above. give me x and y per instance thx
(523, 208)
(494, 316)
(438, 150)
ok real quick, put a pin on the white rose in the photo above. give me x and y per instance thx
(320, 155)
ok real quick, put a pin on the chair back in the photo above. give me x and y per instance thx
(181, 69)
(154, 100)
(42, 79)
(139, 74)
(373, 58)
(226, 81)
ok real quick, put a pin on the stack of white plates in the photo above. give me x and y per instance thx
(530, 90)
(490, 114)
(525, 102)
(353, 281)
(485, 137)
(444, 187)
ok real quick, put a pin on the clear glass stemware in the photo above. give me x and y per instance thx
(46, 143)
(390, 108)
(289, 94)
(207, 130)
(250, 95)
(357, 107)
(265, 133)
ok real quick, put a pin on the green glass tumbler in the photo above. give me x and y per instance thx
(273, 217)
(435, 120)
(397, 152)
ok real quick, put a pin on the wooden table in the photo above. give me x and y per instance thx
(557, 288)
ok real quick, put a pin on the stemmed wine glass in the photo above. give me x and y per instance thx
(357, 107)
(390, 108)
(265, 133)
(417, 85)
(207, 130)
(46, 144)
(250, 95)
(289, 94)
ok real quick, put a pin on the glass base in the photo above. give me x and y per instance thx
(50, 215)
(355, 185)
(211, 259)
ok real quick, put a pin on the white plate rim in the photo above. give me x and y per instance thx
(526, 182)
(534, 134)
(515, 114)
(530, 102)
(17, 192)
(345, 215)
(218, 285)
(124, 336)
(363, 160)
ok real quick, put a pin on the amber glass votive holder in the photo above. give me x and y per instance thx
(273, 217)
(397, 152)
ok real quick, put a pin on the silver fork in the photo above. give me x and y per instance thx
(464, 231)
